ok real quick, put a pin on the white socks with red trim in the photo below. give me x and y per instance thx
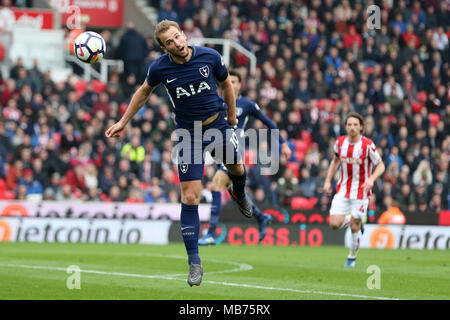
(354, 245)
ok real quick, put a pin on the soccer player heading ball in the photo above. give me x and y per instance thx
(189, 75)
(356, 156)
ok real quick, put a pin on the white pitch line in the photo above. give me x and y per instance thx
(24, 266)
(250, 286)
(229, 284)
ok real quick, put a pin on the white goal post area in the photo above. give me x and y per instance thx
(227, 44)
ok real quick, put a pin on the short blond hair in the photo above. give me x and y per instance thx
(163, 26)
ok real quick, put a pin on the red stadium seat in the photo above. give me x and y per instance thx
(301, 145)
(98, 86)
(7, 195)
(80, 86)
(322, 102)
(434, 118)
(295, 167)
(299, 155)
(422, 96)
(306, 136)
(302, 203)
(417, 106)
(312, 202)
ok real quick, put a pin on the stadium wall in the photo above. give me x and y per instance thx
(158, 211)
(126, 231)
(64, 230)
(403, 237)
(97, 210)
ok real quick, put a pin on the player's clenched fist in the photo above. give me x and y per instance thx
(233, 121)
(115, 130)
(327, 188)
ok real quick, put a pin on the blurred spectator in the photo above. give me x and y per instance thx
(352, 37)
(33, 187)
(135, 153)
(167, 12)
(65, 193)
(76, 179)
(102, 104)
(135, 196)
(405, 198)
(307, 184)
(114, 194)
(423, 175)
(287, 187)
(261, 199)
(106, 179)
(133, 59)
(191, 31)
(257, 180)
(156, 195)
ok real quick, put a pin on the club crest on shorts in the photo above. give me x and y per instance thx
(184, 167)
(204, 71)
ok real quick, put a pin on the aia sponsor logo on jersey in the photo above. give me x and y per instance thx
(192, 90)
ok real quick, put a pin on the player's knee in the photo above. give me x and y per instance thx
(191, 199)
(355, 225)
(334, 225)
(217, 185)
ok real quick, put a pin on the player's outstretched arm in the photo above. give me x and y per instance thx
(136, 103)
(334, 165)
(379, 169)
(230, 100)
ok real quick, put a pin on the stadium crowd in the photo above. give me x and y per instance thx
(316, 61)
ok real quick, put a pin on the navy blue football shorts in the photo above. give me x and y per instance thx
(218, 138)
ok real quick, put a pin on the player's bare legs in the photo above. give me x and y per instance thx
(355, 226)
(220, 181)
(191, 192)
(190, 228)
(339, 221)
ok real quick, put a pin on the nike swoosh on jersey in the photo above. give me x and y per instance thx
(182, 228)
(171, 80)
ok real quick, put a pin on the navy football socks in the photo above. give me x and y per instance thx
(190, 229)
(238, 184)
(215, 212)
(257, 213)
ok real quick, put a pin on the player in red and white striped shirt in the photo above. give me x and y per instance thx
(356, 155)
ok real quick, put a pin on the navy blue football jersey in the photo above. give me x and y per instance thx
(245, 108)
(191, 86)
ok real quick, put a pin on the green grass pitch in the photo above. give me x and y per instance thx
(39, 271)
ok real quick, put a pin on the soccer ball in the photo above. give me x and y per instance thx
(89, 47)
